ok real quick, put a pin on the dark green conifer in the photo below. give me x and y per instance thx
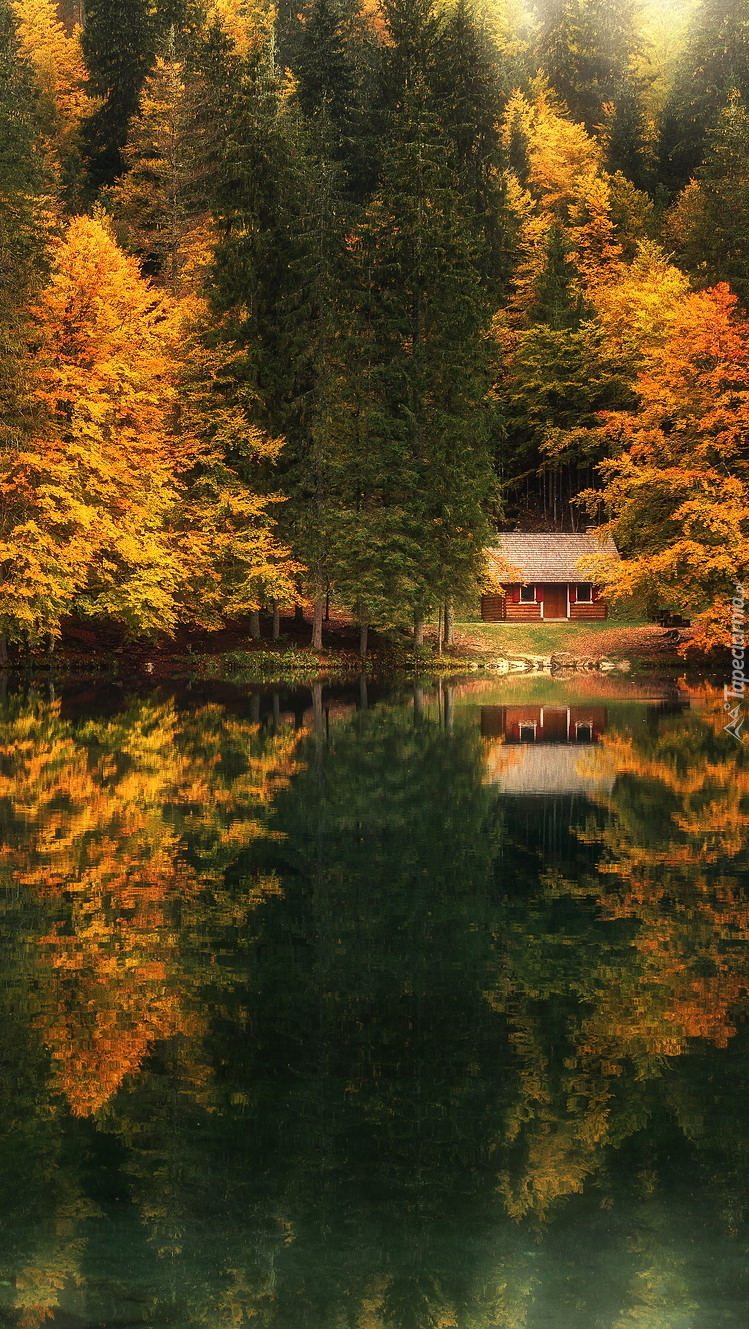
(714, 64)
(468, 98)
(118, 45)
(120, 41)
(711, 219)
(22, 220)
(557, 302)
(334, 63)
(426, 440)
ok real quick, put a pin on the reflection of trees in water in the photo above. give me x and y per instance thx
(341, 1096)
(120, 825)
(117, 835)
(662, 962)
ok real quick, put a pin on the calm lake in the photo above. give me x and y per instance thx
(408, 1010)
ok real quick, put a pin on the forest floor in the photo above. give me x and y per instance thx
(610, 639)
(230, 653)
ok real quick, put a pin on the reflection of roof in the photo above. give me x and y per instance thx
(551, 557)
(549, 769)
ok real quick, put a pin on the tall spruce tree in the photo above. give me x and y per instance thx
(334, 64)
(22, 232)
(120, 41)
(427, 435)
(119, 46)
(281, 220)
(468, 97)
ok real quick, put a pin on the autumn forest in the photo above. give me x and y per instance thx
(306, 303)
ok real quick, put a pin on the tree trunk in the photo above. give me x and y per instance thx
(449, 708)
(276, 621)
(418, 629)
(298, 613)
(317, 613)
(439, 631)
(449, 622)
(3, 650)
(363, 633)
(255, 624)
(3, 688)
(317, 711)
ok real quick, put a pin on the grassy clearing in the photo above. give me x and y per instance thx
(538, 639)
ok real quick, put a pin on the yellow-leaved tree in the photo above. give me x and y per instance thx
(61, 75)
(131, 499)
(248, 23)
(87, 500)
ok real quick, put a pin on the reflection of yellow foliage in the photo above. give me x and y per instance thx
(682, 975)
(56, 1262)
(498, 759)
(105, 813)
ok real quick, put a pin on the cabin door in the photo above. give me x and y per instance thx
(555, 601)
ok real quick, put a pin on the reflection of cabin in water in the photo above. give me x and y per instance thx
(544, 724)
(541, 749)
(552, 583)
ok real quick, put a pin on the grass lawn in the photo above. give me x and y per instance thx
(542, 638)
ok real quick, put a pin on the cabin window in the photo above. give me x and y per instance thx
(584, 593)
(527, 595)
(527, 733)
(584, 732)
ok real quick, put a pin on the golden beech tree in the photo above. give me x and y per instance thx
(124, 503)
(87, 499)
(566, 195)
(675, 486)
(248, 23)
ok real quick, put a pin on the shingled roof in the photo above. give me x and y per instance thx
(548, 557)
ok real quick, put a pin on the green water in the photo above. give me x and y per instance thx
(346, 1011)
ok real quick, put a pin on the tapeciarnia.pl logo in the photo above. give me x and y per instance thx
(737, 687)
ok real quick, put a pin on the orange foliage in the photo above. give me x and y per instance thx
(675, 486)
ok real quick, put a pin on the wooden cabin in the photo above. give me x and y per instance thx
(548, 582)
